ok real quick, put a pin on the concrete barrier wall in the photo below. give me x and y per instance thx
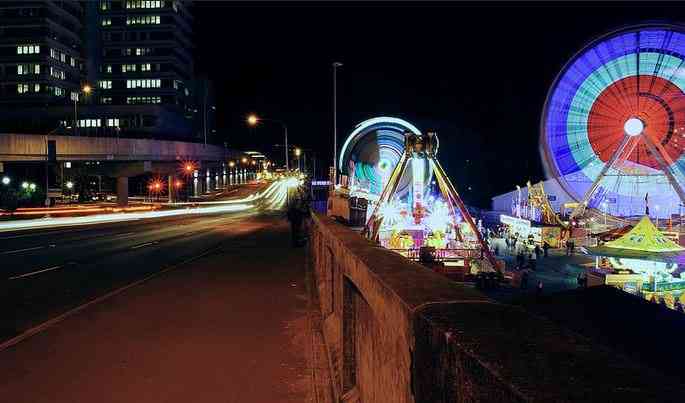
(397, 332)
(28, 147)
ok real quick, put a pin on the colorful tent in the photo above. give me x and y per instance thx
(645, 237)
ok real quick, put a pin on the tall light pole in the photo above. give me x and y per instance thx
(86, 91)
(335, 121)
(297, 154)
(253, 120)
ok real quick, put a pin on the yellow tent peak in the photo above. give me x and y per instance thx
(645, 237)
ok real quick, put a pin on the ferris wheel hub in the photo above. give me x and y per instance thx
(634, 126)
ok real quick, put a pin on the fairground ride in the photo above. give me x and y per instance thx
(613, 124)
(430, 214)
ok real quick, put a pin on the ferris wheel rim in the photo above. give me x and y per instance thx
(549, 163)
(360, 128)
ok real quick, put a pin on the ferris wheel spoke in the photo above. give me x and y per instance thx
(593, 188)
(666, 162)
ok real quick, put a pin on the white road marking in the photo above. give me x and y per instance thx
(9, 252)
(142, 245)
(33, 273)
(45, 325)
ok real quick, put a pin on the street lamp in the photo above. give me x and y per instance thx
(86, 90)
(297, 154)
(253, 120)
(24, 185)
(70, 185)
(32, 186)
(6, 180)
(335, 121)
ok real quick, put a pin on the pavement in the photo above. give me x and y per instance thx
(193, 309)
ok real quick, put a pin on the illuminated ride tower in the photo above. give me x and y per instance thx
(431, 213)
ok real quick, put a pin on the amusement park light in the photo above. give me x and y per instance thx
(6, 180)
(633, 127)
(298, 152)
(244, 160)
(87, 89)
(231, 164)
(178, 184)
(254, 162)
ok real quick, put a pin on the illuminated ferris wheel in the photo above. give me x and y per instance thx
(371, 152)
(613, 125)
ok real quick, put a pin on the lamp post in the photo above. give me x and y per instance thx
(86, 91)
(297, 154)
(253, 120)
(335, 121)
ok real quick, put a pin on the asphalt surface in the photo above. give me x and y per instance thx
(189, 309)
(44, 273)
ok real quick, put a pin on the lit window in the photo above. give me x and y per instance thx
(74, 96)
(20, 69)
(57, 73)
(28, 49)
(144, 4)
(142, 19)
(36, 88)
(22, 88)
(105, 84)
(105, 5)
(108, 68)
(72, 61)
(145, 67)
(62, 58)
(106, 100)
(36, 69)
(128, 68)
(106, 22)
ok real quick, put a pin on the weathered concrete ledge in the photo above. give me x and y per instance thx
(397, 332)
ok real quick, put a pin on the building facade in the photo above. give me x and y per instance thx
(130, 76)
(41, 61)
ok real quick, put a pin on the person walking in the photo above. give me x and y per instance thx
(532, 260)
(545, 248)
(295, 217)
(538, 289)
(524, 280)
(537, 251)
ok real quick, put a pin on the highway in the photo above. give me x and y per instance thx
(48, 271)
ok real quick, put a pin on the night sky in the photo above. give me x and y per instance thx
(478, 74)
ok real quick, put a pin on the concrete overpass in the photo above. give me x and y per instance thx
(123, 157)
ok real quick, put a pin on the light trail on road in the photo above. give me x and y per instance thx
(273, 197)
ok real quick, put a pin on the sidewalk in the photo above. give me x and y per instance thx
(232, 326)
